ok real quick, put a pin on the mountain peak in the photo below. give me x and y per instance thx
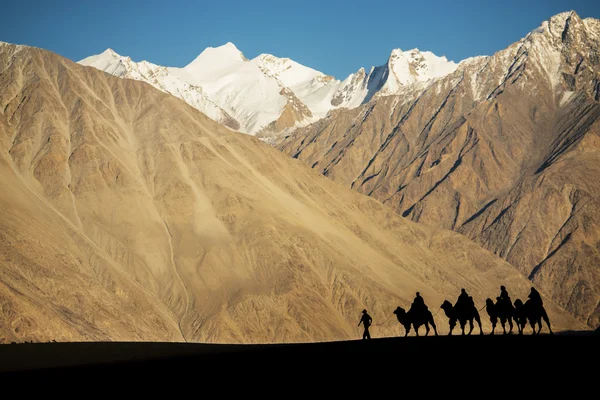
(563, 18)
(228, 49)
(218, 56)
(109, 52)
(415, 53)
(414, 65)
(286, 70)
(229, 46)
(270, 58)
(560, 23)
(399, 51)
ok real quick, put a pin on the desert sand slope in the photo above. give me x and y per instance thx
(126, 214)
(505, 150)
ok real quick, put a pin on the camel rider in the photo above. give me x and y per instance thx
(470, 302)
(463, 300)
(419, 304)
(535, 297)
(504, 293)
(504, 299)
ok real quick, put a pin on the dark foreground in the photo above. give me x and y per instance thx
(512, 355)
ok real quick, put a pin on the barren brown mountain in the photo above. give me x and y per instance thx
(126, 214)
(505, 151)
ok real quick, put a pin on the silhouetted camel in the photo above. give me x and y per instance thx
(506, 312)
(462, 315)
(532, 313)
(503, 310)
(415, 318)
(492, 311)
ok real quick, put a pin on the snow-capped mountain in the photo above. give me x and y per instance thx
(163, 78)
(311, 87)
(403, 69)
(268, 95)
(407, 67)
(237, 85)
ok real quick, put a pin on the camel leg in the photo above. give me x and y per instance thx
(426, 328)
(470, 326)
(406, 330)
(547, 320)
(532, 324)
(493, 328)
(452, 325)
(416, 330)
(510, 324)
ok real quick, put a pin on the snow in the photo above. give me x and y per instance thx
(238, 85)
(316, 95)
(215, 62)
(222, 83)
(547, 55)
(159, 77)
(108, 61)
(17, 47)
(408, 67)
(540, 29)
(289, 72)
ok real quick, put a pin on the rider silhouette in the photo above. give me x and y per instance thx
(504, 301)
(535, 297)
(504, 293)
(469, 302)
(419, 304)
(366, 320)
(463, 299)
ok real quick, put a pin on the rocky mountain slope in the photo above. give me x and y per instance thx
(504, 150)
(268, 95)
(126, 214)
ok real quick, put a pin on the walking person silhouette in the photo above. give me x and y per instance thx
(366, 320)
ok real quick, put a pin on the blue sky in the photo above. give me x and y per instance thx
(336, 38)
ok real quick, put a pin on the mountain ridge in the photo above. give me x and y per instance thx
(503, 150)
(222, 75)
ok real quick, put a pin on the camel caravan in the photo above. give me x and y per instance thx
(464, 311)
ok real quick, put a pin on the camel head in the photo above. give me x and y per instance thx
(489, 302)
(446, 305)
(518, 303)
(399, 311)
